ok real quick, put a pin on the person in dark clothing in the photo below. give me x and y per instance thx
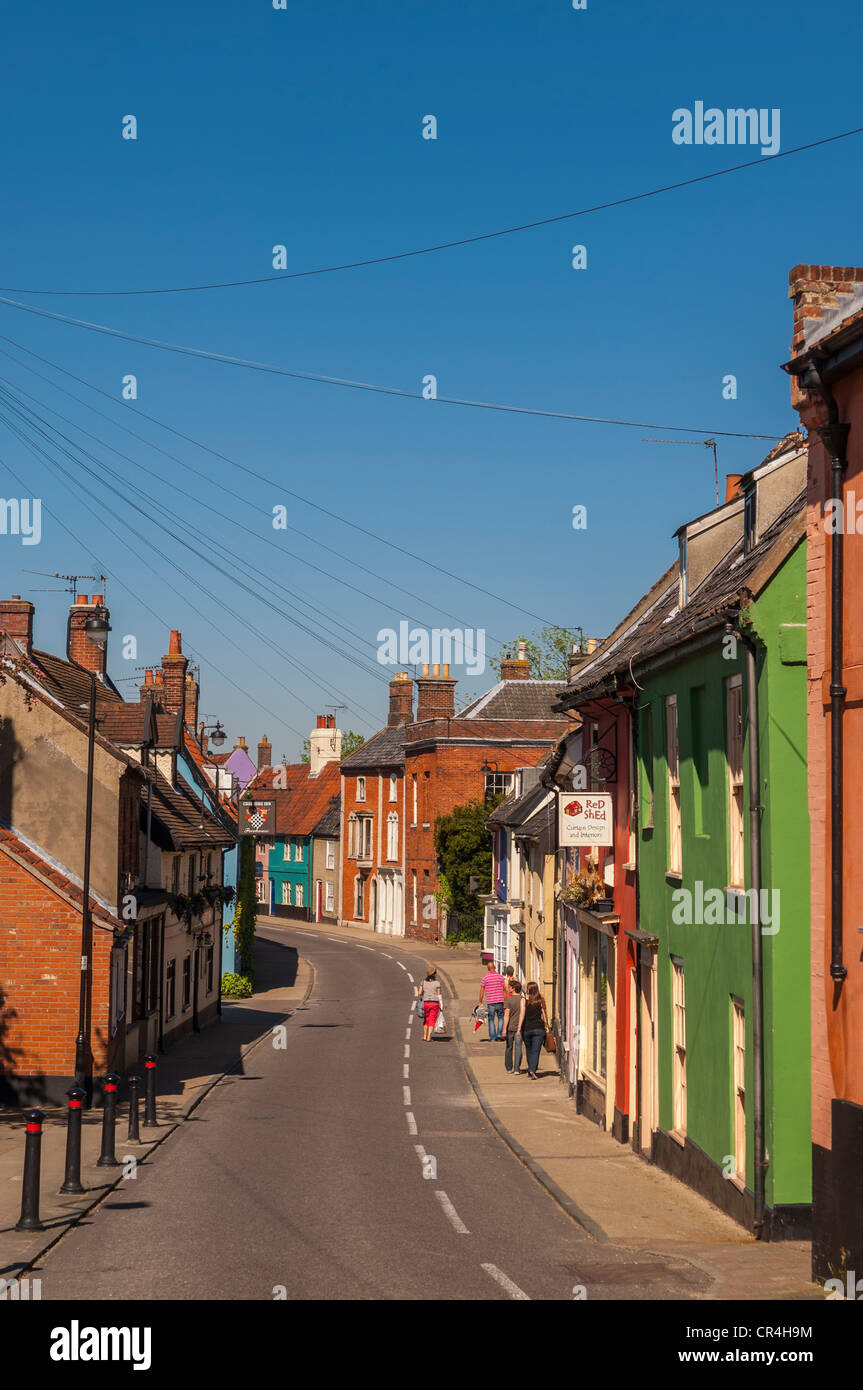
(513, 1009)
(534, 1026)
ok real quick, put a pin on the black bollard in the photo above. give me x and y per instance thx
(72, 1180)
(107, 1158)
(32, 1164)
(134, 1086)
(150, 1092)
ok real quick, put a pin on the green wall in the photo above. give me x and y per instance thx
(717, 958)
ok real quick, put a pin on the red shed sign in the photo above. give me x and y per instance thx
(585, 818)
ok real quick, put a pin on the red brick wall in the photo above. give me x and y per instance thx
(448, 775)
(40, 957)
(378, 805)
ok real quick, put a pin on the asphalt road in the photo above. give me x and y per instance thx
(303, 1176)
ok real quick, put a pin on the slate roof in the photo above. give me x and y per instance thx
(516, 700)
(657, 624)
(303, 800)
(63, 886)
(70, 685)
(540, 824)
(180, 812)
(514, 810)
(385, 749)
(328, 827)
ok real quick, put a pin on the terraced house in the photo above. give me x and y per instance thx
(302, 793)
(706, 993)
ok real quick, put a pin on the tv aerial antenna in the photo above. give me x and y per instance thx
(695, 444)
(70, 582)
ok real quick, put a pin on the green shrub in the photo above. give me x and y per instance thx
(236, 986)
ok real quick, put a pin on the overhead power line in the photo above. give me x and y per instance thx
(271, 368)
(460, 241)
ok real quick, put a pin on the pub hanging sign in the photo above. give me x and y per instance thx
(257, 818)
(585, 818)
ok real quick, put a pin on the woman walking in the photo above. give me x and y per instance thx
(534, 1027)
(430, 994)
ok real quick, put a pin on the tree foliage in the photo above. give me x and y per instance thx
(246, 914)
(547, 651)
(463, 847)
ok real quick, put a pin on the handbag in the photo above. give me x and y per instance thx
(420, 1011)
(550, 1041)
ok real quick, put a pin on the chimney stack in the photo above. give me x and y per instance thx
(401, 700)
(265, 753)
(435, 695)
(16, 620)
(203, 739)
(81, 649)
(325, 744)
(190, 716)
(174, 666)
(515, 668)
(732, 486)
(149, 687)
(816, 291)
(241, 743)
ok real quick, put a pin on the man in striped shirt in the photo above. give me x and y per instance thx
(492, 988)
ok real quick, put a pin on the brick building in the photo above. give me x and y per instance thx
(827, 390)
(453, 759)
(155, 865)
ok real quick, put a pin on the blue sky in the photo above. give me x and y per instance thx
(303, 127)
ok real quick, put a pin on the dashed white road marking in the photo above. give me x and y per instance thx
(454, 1217)
(407, 1048)
(406, 1090)
(407, 1034)
(412, 1124)
(406, 1071)
(500, 1278)
(410, 977)
(364, 948)
(334, 938)
(386, 953)
(399, 964)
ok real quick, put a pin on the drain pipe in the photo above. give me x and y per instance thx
(834, 437)
(755, 810)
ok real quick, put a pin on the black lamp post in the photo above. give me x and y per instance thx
(96, 629)
(216, 732)
(487, 769)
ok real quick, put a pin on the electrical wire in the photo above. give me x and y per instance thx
(460, 241)
(344, 382)
(271, 482)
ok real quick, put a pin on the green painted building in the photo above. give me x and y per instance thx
(742, 571)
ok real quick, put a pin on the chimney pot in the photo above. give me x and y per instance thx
(732, 486)
(175, 644)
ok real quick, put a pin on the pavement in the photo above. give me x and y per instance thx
(185, 1074)
(323, 1165)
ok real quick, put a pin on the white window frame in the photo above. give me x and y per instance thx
(298, 852)
(414, 785)
(734, 757)
(287, 850)
(361, 789)
(298, 895)
(359, 900)
(393, 836)
(675, 849)
(286, 893)
(331, 854)
(329, 896)
(394, 786)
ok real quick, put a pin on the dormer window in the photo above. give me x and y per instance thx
(749, 517)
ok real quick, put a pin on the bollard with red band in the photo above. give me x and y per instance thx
(150, 1090)
(29, 1220)
(107, 1158)
(72, 1180)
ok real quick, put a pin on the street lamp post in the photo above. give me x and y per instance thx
(96, 629)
